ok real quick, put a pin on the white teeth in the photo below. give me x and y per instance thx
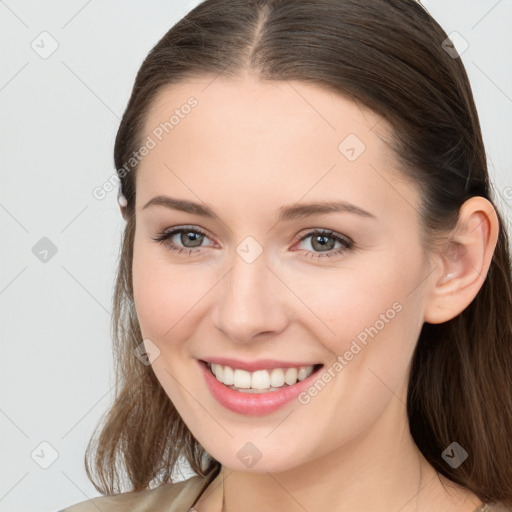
(229, 376)
(268, 380)
(218, 371)
(302, 373)
(242, 379)
(290, 377)
(277, 378)
(261, 380)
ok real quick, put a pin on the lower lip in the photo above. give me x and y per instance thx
(253, 404)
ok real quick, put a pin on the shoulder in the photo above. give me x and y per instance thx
(170, 497)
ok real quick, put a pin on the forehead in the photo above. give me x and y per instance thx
(255, 105)
(267, 140)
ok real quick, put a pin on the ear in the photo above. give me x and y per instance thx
(121, 199)
(462, 263)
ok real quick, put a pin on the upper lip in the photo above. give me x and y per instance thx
(260, 364)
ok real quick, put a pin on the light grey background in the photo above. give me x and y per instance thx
(58, 120)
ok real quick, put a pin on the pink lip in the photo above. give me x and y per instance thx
(253, 404)
(252, 366)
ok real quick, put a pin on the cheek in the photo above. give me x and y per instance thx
(368, 313)
(156, 293)
(167, 296)
(370, 324)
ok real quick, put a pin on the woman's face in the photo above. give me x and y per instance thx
(265, 279)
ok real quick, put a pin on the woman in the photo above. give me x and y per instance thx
(313, 300)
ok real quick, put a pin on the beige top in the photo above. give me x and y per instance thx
(177, 497)
(170, 497)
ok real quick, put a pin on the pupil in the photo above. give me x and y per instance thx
(191, 237)
(322, 241)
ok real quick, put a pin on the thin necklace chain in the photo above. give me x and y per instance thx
(223, 495)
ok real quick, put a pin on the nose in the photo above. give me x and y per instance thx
(250, 302)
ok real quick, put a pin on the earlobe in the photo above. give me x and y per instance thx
(121, 200)
(462, 263)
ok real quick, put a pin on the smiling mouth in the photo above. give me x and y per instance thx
(260, 381)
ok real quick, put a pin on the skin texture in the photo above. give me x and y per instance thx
(247, 149)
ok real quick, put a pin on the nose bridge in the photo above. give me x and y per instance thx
(249, 299)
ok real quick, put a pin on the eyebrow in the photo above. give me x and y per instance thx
(286, 213)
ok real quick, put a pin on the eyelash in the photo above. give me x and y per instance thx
(164, 238)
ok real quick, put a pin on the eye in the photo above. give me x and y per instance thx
(324, 240)
(185, 238)
(190, 239)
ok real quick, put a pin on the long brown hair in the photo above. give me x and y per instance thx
(389, 56)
